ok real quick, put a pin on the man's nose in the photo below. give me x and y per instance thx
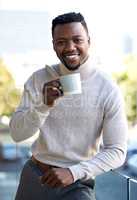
(70, 45)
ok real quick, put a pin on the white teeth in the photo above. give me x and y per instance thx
(71, 56)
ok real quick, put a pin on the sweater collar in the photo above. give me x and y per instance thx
(85, 69)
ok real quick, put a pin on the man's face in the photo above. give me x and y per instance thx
(71, 44)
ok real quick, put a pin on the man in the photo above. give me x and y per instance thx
(66, 157)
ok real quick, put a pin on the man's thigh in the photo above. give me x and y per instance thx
(79, 191)
(30, 187)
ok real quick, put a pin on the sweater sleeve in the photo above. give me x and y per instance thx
(114, 135)
(31, 113)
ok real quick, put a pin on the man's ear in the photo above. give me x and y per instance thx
(53, 45)
(88, 40)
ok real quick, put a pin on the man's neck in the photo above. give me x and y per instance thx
(85, 69)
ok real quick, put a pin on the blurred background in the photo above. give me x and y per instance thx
(26, 45)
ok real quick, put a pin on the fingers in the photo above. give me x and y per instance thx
(51, 179)
(54, 90)
(54, 84)
(45, 177)
(51, 91)
(57, 177)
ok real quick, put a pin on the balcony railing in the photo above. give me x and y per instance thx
(115, 185)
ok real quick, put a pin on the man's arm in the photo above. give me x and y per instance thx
(31, 113)
(37, 100)
(114, 140)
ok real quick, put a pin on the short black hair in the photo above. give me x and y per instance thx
(69, 18)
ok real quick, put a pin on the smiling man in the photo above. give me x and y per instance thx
(66, 156)
(71, 43)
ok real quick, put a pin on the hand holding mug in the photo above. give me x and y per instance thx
(51, 91)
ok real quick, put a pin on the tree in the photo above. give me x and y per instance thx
(128, 83)
(9, 94)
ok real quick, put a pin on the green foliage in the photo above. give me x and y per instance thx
(9, 95)
(127, 80)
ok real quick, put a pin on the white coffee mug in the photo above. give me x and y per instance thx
(71, 84)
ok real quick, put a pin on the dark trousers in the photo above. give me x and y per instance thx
(30, 188)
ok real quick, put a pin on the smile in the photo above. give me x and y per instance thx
(72, 56)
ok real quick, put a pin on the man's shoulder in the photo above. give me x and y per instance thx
(106, 84)
(40, 76)
(106, 79)
(44, 72)
(39, 72)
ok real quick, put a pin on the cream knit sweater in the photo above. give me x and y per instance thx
(71, 131)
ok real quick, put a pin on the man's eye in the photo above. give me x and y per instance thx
(78, 40)
(60, 42)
